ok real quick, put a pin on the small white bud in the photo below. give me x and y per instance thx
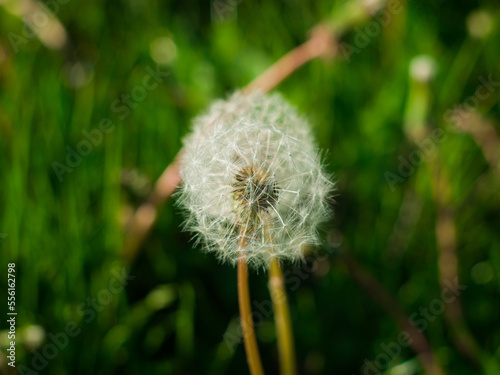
(480, 24)
(252, 171)
(423, 68)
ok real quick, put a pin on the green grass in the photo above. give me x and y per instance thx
(66, 237)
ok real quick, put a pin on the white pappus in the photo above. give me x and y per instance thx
(253, 183)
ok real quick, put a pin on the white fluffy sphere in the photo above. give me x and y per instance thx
(254, 186)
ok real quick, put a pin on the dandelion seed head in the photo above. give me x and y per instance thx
(251, 170)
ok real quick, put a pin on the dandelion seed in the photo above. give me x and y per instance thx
(251, 168)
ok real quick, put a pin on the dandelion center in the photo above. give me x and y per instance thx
(255, 190)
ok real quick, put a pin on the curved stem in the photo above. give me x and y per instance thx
(321, 43)
(377, 291)
(143, 219)
(284, 331)
(251, 349)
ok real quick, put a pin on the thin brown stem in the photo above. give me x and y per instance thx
(249, 339)
(484, 134)
(446, 235)
(321, 43)
(378, 293)
(141, 222)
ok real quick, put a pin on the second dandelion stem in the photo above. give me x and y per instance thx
(247, 328)
(282, 317)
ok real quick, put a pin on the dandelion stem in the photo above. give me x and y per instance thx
(282, 317)
(322, 42)
(251, 349)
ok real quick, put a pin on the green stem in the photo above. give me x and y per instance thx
(282, 317)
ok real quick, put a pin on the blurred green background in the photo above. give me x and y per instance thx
(65, 231)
